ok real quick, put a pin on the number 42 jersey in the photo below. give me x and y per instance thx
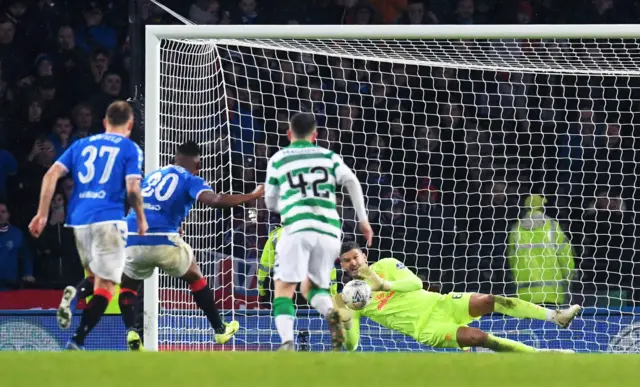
(169, 193)
(303, 177)
(99, 166)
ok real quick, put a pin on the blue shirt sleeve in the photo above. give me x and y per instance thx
(197, 185)
(133, 166)
(67, 157)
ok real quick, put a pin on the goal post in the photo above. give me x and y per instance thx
(437, 121)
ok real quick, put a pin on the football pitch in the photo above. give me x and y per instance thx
(265, 369)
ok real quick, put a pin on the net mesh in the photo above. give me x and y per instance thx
(457, 143)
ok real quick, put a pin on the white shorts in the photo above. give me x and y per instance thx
(101, 248)
(167, 252)
(306, 254)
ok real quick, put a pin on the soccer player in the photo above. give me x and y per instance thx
(440, 321)
(105, 168)
(301, 186)
(169, 194)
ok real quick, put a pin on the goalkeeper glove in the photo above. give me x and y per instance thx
(373, 279)
(345, 313)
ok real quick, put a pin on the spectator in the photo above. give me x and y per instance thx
(69, 60)
(205, 12)
(248, 12)
(110, 91)
(83, 123)
(16, 259)
(608, 242)
(31, 172)
(57, 262)
(12, 55)
(61, 138)
(93, 33)
(540, 256)
(417, 13)
(8, 167)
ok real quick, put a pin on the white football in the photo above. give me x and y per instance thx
(356, 294)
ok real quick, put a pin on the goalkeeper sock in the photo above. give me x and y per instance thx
(518, 308)
(321, 301)
(204, 299)
(283, 315)
(127, 303)
(92, 314)
(500, 344)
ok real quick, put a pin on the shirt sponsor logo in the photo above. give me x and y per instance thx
(383, 298)
(400, 266)
(92, 195)
(152, 207)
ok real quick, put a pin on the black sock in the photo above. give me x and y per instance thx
(138, 324)
(127, 303)
(90, 317)
(85, 288)
(204, 300)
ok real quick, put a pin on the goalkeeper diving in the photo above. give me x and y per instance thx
(440, 321)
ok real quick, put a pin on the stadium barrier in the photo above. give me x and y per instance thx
(598, 330)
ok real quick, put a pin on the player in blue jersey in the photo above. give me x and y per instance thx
(106, 169)
(169, 193)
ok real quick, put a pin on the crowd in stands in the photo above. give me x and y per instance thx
(453, 161)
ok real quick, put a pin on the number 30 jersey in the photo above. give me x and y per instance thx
(168, 193)
(99, 166)
(303, 178)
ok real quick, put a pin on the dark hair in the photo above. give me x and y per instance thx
(302, 124)
(189, 149)
(348, 246)
(119, 113)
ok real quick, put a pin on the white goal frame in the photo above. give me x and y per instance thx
(155, 33)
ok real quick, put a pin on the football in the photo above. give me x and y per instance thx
(356, 294)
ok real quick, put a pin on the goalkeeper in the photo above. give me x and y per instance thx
(399, 303)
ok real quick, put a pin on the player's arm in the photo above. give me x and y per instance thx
(133, 176)
(271, 188)
(346, 178)
(351, 320)
(211, 199)
(49, 182)
(397, 277)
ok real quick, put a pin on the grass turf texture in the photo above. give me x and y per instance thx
(95, 369)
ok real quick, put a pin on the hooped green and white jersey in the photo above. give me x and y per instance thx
(304, 178)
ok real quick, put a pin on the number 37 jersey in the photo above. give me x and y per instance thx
(304, 177)
(168, 193)
(99, 166)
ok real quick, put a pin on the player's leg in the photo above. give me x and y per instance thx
(290, 268)
(482, 304)
(316, 286)
(106, 247)
(473, 337)
(71, 294)
(203, 296)
(127, 304)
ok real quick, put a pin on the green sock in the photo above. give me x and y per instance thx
(284, 317)
(500, 344)
(518, 308)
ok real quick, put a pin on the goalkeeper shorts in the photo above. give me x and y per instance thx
(447, 316)
(167, 252)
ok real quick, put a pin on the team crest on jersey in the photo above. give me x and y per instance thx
(9, 245)
(400, 266)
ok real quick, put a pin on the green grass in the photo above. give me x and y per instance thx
(219, 369)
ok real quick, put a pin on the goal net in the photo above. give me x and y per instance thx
(503, 165)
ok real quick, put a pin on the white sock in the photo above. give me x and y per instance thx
(284, 325)
(322, 303)
(551, 315)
